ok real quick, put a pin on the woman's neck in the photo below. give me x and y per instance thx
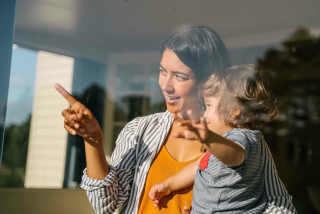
(196, 114)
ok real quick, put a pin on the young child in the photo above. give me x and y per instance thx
(237, 174)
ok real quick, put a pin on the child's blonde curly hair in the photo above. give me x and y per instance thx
(242, 90)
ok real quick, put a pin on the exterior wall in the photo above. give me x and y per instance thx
(48, 139)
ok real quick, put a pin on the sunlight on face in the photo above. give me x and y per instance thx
(214, 120)
(178, 84)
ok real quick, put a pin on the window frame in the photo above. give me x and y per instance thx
(7, 20)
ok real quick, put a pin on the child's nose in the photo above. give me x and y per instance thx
(205, 116)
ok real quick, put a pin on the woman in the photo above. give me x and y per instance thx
(146, 151)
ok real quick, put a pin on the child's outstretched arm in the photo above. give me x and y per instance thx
(183, 178)
(226, 150)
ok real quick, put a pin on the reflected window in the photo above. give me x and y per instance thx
(134, 91)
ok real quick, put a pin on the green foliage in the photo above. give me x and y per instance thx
(11, 179)
(293, 73)
(15, 154)
(297, 60)
(300, 33)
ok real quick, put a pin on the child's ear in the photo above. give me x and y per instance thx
(235, 113)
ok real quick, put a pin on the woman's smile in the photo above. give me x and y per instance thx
(171, 100)
(178, 83)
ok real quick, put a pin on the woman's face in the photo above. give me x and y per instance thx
(178, 84)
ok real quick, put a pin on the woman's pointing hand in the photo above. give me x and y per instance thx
(79, 119)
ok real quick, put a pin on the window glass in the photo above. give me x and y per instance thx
(107, 55)
(17, 125)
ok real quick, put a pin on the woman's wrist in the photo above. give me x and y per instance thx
(95, 139)
(97, 166)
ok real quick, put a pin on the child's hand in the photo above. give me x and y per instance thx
(195, 129)
(158, 191)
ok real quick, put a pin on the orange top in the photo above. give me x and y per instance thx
(158, 172)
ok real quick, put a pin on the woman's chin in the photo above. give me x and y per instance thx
(173, 109)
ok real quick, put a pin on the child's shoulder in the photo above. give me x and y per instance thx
(244, 137)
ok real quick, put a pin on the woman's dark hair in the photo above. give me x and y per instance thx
(242, 88)
(200, 48)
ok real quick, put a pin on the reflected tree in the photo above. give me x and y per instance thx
(15, 154)
(294, 76)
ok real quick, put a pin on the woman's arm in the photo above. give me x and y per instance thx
(108, 194)
(97, 166)
(182, 179)
(105, 188)
(80, 121)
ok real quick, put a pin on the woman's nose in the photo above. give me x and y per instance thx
(167, 85)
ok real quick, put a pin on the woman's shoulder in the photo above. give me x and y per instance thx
(159, 117)
(156, 118)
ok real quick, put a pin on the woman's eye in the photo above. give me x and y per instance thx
(162, 71)
(181, 78)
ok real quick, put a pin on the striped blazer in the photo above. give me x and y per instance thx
(136, 146)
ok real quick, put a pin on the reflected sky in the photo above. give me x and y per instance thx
(21, 88)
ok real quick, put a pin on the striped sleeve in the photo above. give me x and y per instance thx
(107, 195)
(279, 200)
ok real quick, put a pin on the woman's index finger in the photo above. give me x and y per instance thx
(65, 94)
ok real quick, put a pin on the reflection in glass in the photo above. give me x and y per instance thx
(57, 159)
(19, 107)
(130, 77)
(293, 71)
(129, 107)
(153, 76)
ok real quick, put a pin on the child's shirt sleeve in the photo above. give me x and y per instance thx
(240, 138)
(220, 188)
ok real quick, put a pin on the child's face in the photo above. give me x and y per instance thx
(214, 121)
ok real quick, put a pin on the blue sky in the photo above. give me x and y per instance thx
(21, 88)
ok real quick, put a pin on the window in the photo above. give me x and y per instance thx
(106, 54)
